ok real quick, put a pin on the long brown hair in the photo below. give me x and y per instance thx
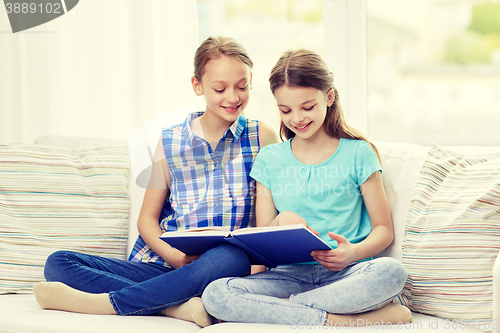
(213, 48)
(304, 68)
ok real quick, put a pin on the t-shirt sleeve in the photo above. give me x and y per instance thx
(366, 162)
(261, 163)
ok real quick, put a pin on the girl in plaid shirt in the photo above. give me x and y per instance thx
(200, 177)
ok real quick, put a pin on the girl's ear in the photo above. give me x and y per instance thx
(251, 80)
(330, 97)
(196, 86)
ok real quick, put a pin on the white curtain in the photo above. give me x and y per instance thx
(100, 70)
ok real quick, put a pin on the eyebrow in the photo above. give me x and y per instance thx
(224, 82)
(309, 101)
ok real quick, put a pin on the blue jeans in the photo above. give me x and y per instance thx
(312, 290)
(143, 288)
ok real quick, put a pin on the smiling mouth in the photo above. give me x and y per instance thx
(232, 108)
(301, 128)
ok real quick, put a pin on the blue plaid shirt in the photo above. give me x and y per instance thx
(208, 187)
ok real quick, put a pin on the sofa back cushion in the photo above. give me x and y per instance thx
(401, 164)
(59, 199)
(136, 190)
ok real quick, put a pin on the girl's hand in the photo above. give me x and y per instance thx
(177, 259)
(289, 217)
(338, 259)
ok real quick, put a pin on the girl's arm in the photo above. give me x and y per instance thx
(377, 206)
(265, 213)
(267, 136)
(381, 236)
(154, 199)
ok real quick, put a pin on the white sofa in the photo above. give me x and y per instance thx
(402, 164)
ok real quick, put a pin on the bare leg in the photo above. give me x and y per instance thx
(391, 313)
(58, 296)
(192, 310)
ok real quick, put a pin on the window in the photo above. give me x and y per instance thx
(266, 29)
(412, 71)
(433, 71)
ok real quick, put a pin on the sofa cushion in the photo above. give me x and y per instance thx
(22, 314)
(56, 198)
(452, 236)
(401, 164)
(421, 324)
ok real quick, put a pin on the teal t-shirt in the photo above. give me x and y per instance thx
(326, 195)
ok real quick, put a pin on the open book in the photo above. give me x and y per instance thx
(269, 246)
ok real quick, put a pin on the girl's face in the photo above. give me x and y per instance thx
(303, 110)
(226, 86)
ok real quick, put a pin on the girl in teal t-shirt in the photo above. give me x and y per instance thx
(326, 176)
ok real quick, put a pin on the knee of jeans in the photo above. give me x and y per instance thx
(234, 258)
(215, 296)
(53, 264)
(395, 272)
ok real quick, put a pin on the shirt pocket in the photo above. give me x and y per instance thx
(188, 188)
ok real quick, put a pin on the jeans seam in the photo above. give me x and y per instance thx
(113, 303)
(158, 307)
(322, 317)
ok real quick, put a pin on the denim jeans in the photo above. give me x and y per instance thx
(312, 292)
(144, 288)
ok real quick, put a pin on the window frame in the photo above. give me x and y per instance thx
(345, 53)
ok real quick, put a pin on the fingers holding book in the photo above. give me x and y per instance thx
(337, 259)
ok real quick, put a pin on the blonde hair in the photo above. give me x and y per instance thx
(213, 48)
(304, 68)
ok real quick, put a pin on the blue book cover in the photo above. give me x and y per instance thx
(269, 246)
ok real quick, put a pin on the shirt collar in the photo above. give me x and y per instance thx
(192, 139)
(236, 129)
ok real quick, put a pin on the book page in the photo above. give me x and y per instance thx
(203, 231)
(256, 230)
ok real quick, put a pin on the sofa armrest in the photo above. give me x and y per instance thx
(496, 294)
